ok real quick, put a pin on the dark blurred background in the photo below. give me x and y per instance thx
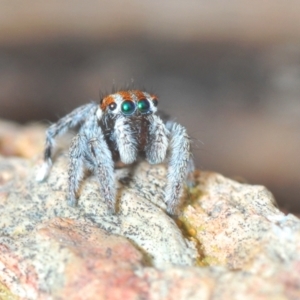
(227, 70)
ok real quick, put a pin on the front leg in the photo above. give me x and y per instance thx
(76, 154)
(180, 163)
(99, 160)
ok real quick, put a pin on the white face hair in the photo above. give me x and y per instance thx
(146, 132)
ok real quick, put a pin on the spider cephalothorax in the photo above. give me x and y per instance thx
(123, 127)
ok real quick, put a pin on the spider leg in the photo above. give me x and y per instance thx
(98, 158)
(180, 163)
(157, 145)
(190, 170)
(104, 170)
(76, 154)
(69, 121)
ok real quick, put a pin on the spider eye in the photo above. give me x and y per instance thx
(143, 106)
(155, 102)
(112, 106)
(128, 107)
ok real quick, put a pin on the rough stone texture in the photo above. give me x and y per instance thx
(239, 226)
(230, 242)
(28, 203)
(72, 260)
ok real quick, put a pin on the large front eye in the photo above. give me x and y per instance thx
(144, 106)
(128, 107)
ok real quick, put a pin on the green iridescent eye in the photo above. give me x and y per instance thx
(128, 107)
(143, 106)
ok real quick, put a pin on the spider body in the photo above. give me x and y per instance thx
(125, 126)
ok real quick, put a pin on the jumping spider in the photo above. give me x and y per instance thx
(123, 127)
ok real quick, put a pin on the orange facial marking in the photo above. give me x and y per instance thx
(106, 101)
(153, 97)
(139, 94)
(125, 95)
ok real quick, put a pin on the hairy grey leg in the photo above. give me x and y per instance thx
(190, 170)
(157, 145)
(179, 164)
(69, 121)
(76, 154)
(125, 140)
(99, 159)
(104, 170)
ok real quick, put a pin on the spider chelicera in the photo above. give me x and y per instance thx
(123, 127)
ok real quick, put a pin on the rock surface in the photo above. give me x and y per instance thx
(230, 242)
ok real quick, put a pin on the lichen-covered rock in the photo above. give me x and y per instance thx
(238, 226)
(231, 242)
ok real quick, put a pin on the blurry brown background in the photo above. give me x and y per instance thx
(227, 70)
